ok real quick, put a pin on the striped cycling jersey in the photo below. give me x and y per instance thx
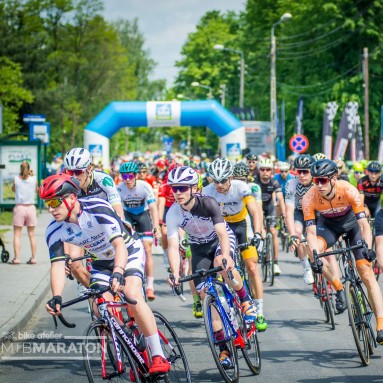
(233, 203)
(137, 200)
(98, 225)
(295, 192)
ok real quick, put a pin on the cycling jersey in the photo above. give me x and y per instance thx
(295, 192)
(137, 200)
(346, 199)
(98, 225)
(233, 203)
(102, 186)
(165, 191)
(256, 191)
(267, 191)
(282, 181)
(371, 193)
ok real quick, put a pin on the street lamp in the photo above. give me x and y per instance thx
(242, 71)
(197, 84)
(273, 80)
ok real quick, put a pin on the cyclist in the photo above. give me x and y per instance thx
(211, 240)
(78, 164)
(271, 187)
(140, 209)
(340, 212)
(238, 207)
(357, 172)
(341, 165)
(296, 188)
(119, 258)
(371, 188)
(319, 156)
(283, 176)
(252, 160)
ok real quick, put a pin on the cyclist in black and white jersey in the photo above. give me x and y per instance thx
(296, 188)
(210, 238)
(118, 257)
(78, 164)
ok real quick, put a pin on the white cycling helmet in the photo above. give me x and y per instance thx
(77, 159)
(183, 175)
(265, 163)
(284, 166)
(220, 169)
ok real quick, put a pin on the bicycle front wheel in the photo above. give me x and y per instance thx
(230, 374)
(358, 326)
(100, 357)
(328, 304)
(173, 351)
(270, 259)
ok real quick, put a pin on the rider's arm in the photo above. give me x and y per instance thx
(312, 240)
(173, 255)
(290, 218)
(119, 210)
(360, 189)
(366, 231)
(255, 211)
(121, 255)
(154, 214)
(161, 208)
(281, 201)
(57, 277)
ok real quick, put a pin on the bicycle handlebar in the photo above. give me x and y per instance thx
(340, 251)
(69, 259)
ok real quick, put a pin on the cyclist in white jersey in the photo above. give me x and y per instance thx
(141, 211)
(118, 257)
(78, 164)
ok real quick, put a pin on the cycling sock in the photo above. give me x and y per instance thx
(379, 323)
(242, 295)
(154, 344)
(305, 263)
(259, 306)
(219, 336)
(337, 284)
(196, 298)
(150, 283)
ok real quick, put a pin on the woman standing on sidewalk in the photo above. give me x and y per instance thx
(24, 213)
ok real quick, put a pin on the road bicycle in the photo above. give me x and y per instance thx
(266, 258)
(358, 306)
(375, 265)
(115, 350)
(222, 306)
(283, 234)
(241, 266)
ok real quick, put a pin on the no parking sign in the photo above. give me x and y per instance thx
(299, 143)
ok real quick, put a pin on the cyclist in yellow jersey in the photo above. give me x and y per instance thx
(238, 206)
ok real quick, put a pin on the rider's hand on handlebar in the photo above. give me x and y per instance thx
(258, 242)
(317, 267)
(173, 280)
(117, 281)
(293, 243)
(53, 306)
(229, 262)
(369, 254)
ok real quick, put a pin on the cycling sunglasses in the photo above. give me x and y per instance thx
(55, 202)
(128, 176)
(303, 171)
(75, 172)
(181, 189)
(223, 181)
(321, 180)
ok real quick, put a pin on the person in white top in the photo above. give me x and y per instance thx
(24, 213)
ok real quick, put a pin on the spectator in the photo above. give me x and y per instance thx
(24, 213)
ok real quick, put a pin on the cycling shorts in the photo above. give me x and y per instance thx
(379, 223)
(102, 270)
(244, 233)
(203, 256)
(298, 217)
(374, 208)
(142, 223)
(269, 211)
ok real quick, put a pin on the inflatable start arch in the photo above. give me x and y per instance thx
(208, 113)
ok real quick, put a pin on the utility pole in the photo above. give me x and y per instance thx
(223, 94)
(366, 104)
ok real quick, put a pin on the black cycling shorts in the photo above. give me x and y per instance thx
(379, 223)
(270, 211)
(374, 208)
(141, 223)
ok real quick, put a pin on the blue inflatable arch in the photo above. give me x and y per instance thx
(208, 113)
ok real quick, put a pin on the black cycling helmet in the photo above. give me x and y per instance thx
(252, 157)
(241, 170)
(324, 168)
(303, 161)
(142, 165)
(374, 166)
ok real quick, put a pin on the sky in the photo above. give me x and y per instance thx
(165, 25)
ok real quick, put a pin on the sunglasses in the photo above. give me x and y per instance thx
(303, 171)
(128, 176)
(75, 172)
(223, 181)
(53, 202)
(143, 171)
(357, 172)
(181, 189)
(320, 180)
(264, 170)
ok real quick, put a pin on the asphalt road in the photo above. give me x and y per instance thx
(298, 346)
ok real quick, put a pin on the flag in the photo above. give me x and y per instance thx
(328, 122)
(299, 117)
(380, 155)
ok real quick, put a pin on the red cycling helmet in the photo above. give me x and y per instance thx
(160, 163)
(59, 185)
(173, 166)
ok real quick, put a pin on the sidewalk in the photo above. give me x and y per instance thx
(23, 285)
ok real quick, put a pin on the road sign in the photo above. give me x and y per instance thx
(299, 143)
(34, 118)
(40, 131)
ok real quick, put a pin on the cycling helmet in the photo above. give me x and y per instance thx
(220, 169)
(129, 167)
(319, 156)
(183, 175)
(303, 161)
(200, 182)
(374, 166)
(59, 185)
(77, 159)
(241, 170)
(142, 165)
(173, 166)
(357, 167)
(266, 163)
(284, 166)
(252, 157)
(364, 163)
(324, 168)
(340, 163)
(160, 163)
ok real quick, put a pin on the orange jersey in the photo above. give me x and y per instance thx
(346, 198)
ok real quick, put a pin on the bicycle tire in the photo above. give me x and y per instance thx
(4, 256)
(97, 336)
(264, 266)
(357, 323)
(270, 259)
(209, 304)
(327, 304)
(173, 351)
(368, 314)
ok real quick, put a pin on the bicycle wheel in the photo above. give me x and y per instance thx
(173, 350)
(264, 265)
(357, 323)
(100, 359)
(328, 307)
(270, 259)
(211, 312)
